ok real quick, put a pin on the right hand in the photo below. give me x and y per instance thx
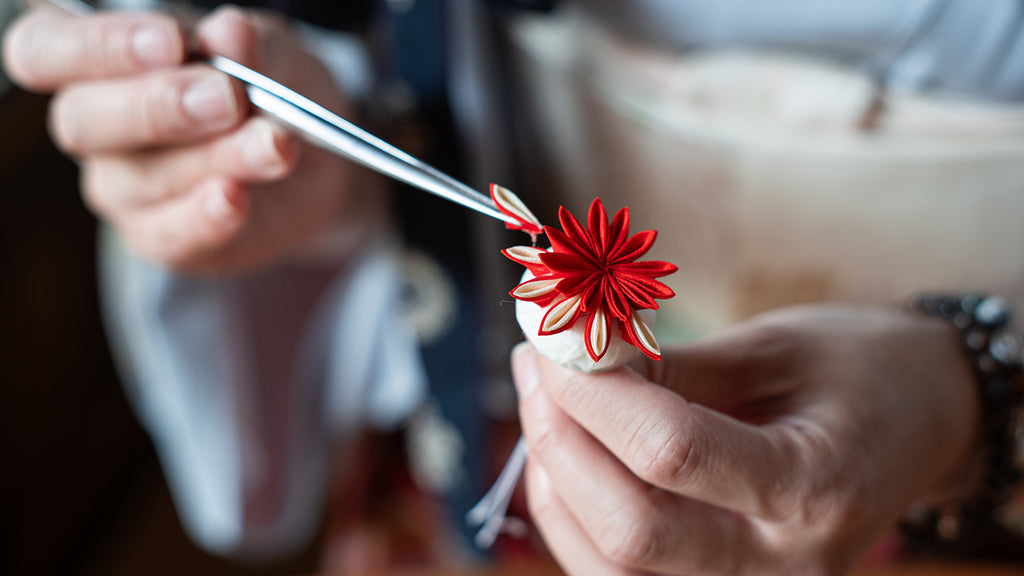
(784, 445)
(170, 155)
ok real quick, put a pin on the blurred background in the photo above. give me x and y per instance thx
(82, 492)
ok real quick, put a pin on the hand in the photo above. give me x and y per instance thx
(170, 155)
(785, 445)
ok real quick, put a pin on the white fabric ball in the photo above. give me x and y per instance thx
(568, 349)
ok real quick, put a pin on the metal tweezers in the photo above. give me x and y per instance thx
(335, 134)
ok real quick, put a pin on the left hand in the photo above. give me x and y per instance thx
(785, 445)
(170, 155)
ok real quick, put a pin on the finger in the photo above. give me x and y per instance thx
(230, 32)
(564, 537)
(672, 443)
(166, 107)
(733, 371)
(49, 48)
(260, 151)
(267, 44)
(192, 230)
(629, 522)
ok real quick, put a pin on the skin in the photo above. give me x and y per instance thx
(785, 445)
(170, 153)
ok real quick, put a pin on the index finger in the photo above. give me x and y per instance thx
(48, 48)
(672, 443)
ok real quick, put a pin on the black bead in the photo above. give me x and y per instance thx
(949, 308)
(992, 312)
(970, 302)
(976, 339)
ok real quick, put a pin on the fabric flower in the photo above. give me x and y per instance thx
(594, 272)
(510, 205)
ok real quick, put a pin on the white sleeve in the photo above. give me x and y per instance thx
(242, 400)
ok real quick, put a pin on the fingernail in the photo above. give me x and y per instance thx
(154, 45)
(217, 205)
(209, 99)
(525, 372)
(260, 150)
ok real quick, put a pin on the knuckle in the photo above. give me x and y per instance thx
(838, 495)
(542, 434)
(65, 124)
(161, 245)
(771, 348)
(106, 47)
(671, 456)
(629, 538)
(541, 503)
(19, 52)
(576, 389)
(780, 497)
(157, 112)
(159, 181)
(231, 31)
(94, 187)
(848, 505)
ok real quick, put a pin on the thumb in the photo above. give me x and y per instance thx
(230, 32)
(672, 443)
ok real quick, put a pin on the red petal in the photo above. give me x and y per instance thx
(543, 302)
(619, 232)
(634, 248)
(568, 263)
(649, 268)
(614, 298)
(576, 283)
(593, 295)
(636, 294)
(574, 230)
(597, 223)
(563, 244)
(647, 284)
(597, 334)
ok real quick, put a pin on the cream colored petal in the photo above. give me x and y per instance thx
(535, 289)
(560, 315)
(598, 336)
(526, 255)
(643, 334)
(507, 200)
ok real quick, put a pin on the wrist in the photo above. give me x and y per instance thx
(984, 479)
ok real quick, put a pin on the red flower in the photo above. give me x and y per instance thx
(508, 203)
(594, 272)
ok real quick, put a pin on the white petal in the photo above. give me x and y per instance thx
(561, 314)
(507, 200)
(526, 255)
(535, 288)
(598, 335)
(643, 334)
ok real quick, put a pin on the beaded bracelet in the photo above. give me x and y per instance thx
(996, 357)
